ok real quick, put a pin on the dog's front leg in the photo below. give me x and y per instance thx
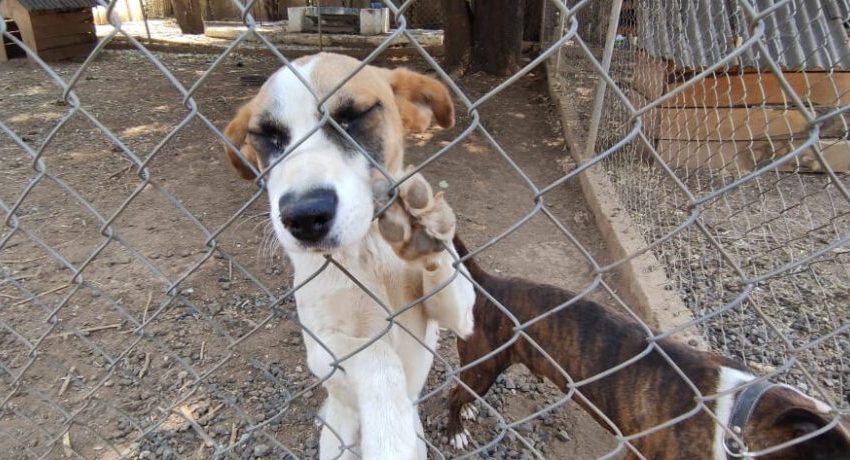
(451, 305)
(375, 378)
(418, 227)
(340, 429)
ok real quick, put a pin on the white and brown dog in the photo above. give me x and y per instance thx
(367, 345)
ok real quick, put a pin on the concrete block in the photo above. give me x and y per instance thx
(374, 21)
(297, 15)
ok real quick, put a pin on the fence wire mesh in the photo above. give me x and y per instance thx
(738, 177)
(148, 312)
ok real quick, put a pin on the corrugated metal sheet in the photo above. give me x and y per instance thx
(43, 5)
(802, 34)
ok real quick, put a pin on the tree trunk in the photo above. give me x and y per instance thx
(457, 38)
(593, 22)
(532, 20)
(488, 39)
(188, 16)
(497, 32)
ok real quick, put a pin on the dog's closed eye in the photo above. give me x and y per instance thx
(349, 115)
(269, 137)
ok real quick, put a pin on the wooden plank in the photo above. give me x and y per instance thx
(66, 52)
(733, 157)
(70, 17)
(724, 124)
(830, 89)
(42, 32)
(742, 157)
(47, 43)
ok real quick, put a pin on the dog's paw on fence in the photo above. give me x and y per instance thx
(419, 224)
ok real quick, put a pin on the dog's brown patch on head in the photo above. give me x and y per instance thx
(410, 100)
(366, 88)
(782, 415)
(407, 102)
(236, 132)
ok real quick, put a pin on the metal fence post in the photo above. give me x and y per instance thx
(602, 85)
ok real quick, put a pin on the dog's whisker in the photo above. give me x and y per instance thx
(245, 219)
(269, 245)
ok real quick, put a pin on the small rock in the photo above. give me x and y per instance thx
(525, 428)
(563, 436)
(261, 450)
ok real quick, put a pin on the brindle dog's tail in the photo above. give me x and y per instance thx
(474, 270)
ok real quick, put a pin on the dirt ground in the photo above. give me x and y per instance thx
(221, 362)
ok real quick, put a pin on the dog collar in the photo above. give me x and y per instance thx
(743, 408)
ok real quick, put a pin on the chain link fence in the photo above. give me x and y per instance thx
(722, 130)
(147, 311)
(426, 15)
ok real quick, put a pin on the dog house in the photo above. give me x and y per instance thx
(54, 29)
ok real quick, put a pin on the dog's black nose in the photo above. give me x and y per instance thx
(309, 217)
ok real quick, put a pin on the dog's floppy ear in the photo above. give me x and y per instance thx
(787, 414)
(236, 132)
(419, 98)
(797, 422)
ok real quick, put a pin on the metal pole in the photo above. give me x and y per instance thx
(602, 86)
(319, 24)
(562, 23)
(145, 18)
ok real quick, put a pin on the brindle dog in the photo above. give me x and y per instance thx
(587, 338)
